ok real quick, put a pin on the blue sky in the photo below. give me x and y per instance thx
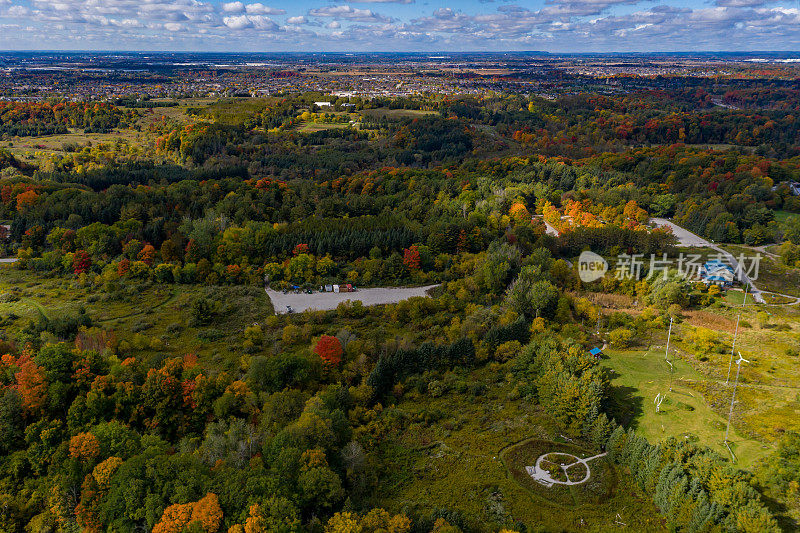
(400, 25)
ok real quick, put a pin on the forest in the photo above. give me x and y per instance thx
(147, 383)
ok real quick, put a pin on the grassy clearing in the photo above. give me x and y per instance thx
(458, 451)
(638, 376)
(311, 127)
(596, 491)
(154, 320)
(396, 113)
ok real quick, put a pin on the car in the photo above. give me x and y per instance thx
(289, 309)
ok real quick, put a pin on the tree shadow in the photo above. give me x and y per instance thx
(624, 405)
(779, 511)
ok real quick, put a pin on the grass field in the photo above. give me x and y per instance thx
(154, 320)
(383, 112)
(311, 127)
(638, 376)
(596, 491)
(458, 451)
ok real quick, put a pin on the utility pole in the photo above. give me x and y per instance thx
(669, 334)
(733, 347)
(666, 353)
(733, 396)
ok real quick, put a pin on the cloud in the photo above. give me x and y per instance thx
(261, 9)
(556, 25)
(18, 11)
(741, 3)
(349, 13)
(233, 7)
(259, 22)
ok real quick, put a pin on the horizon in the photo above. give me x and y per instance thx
(401, 52)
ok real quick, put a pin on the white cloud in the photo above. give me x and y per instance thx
(233, 7)
(259, 22)
(260, 9)
(349, 13)
(18, 11)
(557, 25)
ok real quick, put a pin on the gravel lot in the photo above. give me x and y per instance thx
(324, 301)
(685, 237)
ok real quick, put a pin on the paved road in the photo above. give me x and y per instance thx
(8, 259)
(550, 230)
(689, 239)
(325, 301)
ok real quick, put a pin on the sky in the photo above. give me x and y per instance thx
(401, 25)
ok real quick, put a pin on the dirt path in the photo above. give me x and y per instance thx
(325, 301)
(541, 475)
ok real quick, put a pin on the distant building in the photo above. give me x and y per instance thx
(322, 104)
(718, 273)
(794, 187)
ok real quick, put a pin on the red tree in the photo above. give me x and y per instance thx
(123, 267)
(147, 254)
(81, 262)
(31, 385)
(411, 258)
(301, 249)
(329, 349)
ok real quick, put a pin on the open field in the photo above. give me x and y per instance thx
(396, 113)
(151, 319)
(311, 127)
(638, 376)
(460, 451)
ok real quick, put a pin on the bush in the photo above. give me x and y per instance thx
(141, 325)
(621, 337)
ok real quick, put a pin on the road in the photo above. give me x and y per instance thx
(689, 239)
(325, 301)
(550, 230)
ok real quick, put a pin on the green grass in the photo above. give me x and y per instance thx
(153, 319)
(459, 451)
(311, 127)
(596, 491)
(638, 376)
(782, 216)
(396, 113)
